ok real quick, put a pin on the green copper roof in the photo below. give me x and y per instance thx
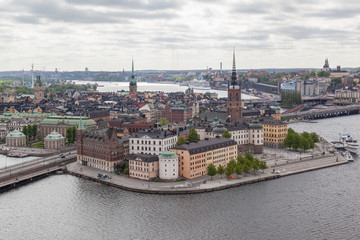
(81, 125)
(54, 135)
(69, 120)
(168, 154)
(15, 134)
(219, 129)
(8, 115)
(255, 125)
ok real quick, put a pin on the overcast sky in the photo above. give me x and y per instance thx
(178, 34)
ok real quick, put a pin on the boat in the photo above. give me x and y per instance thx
(199, 84)
(18, 155)
(347, 155)
(338, 145)
(350, 144)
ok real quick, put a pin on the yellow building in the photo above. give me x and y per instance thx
(196, 156)
(275, 131)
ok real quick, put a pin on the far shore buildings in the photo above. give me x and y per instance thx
(100, 148)
(38, 90)
(196, 156)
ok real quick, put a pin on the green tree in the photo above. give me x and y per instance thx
(323, 74)
(314, 137)
(221, 170)
(25, 131)
(226, 134)
(255, 165)
(249, 156)
(163, 121)
(262, 165)
(70, 135)
(246, 167)
(211, 170)
(228, 170)
(34, 129)
(126, 171)
(238, 169)
(193, 135)
(181, 140)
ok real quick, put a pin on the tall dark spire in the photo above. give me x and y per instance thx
(132, 69)
(233, 74)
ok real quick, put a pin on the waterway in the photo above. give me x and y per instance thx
(322, 204)
(161, 87)
(6, 161)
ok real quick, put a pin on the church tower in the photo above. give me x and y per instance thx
(234, 108)
(38, 90)
(132, 85)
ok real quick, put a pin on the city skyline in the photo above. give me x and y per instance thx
(174, 35)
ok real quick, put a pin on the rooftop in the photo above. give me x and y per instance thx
(206, 145)
(144, 157)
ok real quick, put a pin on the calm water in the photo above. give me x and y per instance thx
(144, 86)
(322, 204)
(6, 161)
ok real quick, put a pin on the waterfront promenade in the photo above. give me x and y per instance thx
(204, 184)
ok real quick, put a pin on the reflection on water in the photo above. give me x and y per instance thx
(322, 204)
(6, 161)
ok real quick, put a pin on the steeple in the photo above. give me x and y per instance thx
(233, 74)
(81, 125)
(132, 69)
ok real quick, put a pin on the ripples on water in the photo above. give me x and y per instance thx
(322, 204)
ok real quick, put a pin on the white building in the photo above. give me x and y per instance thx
(168, 165)
(152, 142)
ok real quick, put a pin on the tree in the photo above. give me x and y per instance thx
(71, 134)
(181, 140)
(255, 165)
(193, 135)
(262, 165)
(314, 137)
(25, 131)
(226, 134)
(228, 170)
(238, 169)
(249, 156)
(34, 130)
(211, 170)
(221, 170)
(246, 167)
(163, 121)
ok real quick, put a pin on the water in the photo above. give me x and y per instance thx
(322, 204)
(162, 87)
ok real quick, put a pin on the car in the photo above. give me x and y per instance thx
(62, 156)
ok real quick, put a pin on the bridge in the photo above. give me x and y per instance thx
(335, 111)
(23, 173)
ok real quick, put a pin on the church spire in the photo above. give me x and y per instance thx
(233, 74)
(132, 69)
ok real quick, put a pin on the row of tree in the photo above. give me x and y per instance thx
(290, 98)
(243, 164)
(304, 142)
(30, 131)
(71, 134)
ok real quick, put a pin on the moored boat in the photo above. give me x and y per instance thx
(347, 155)
(350, 144)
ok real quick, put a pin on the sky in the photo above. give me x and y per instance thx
(179, 34)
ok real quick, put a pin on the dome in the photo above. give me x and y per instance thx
(255, 125)
(219, 129)
(15, 134)
(168, 154)
(54, 135)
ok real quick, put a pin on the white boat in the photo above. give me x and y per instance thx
(199, 84)
(350, 144)
(338, 145)
(347, 155)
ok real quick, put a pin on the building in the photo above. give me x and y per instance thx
(132, 84)
(326, 66)
(177, 114)
(143, 166)
(275, 132)
(38, 90)
(61, 123)
(54, 141)
(16, 139)
(234, 105)
(344, 96)
(196, 156)
(101, 148)
(152, 141)
(168, 165)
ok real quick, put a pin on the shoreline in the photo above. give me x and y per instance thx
(202, 185)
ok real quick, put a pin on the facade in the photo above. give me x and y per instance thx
(143, 166)
(132, 84)
(100, 148)
(306, 88)
(38, 90)
(168, 165)
(61, 123)
(54, 141)
(343, 97)
(196, 156)
(178, 114)
(16, 139)
(234, 107)
(152, 142)
(275, 132)
(9, 125)
(326, 66)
